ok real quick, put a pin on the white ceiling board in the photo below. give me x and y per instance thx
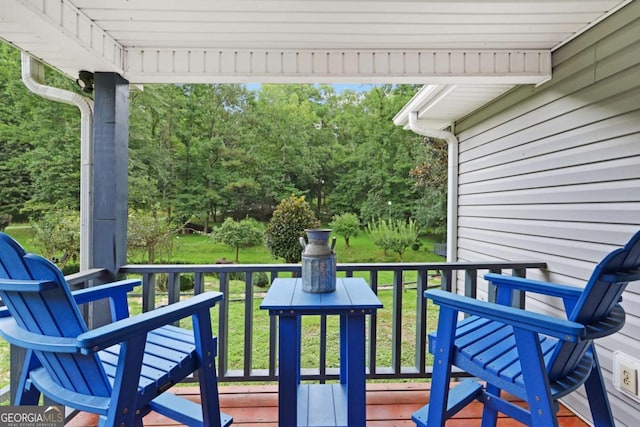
(495, 44)
(99, 34)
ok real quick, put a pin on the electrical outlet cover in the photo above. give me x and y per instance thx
(625, 374)
(629, 378)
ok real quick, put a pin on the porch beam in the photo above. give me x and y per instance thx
(183, 65)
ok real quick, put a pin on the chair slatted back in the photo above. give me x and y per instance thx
(597, 304)
(52, 312)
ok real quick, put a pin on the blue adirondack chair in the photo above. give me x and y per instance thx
(535, 357)
(122, 370)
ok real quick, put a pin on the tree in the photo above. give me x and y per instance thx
(346, 225)
(238, 234)
(149, 234)
(431, 213)
(39, 144)
(393, 235)
(290, 219)
(431, 177)
(375, 156)
(58, 234)
(208, 151)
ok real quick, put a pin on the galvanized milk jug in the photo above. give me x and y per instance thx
(318, 262)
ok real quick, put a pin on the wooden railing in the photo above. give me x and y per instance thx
(396, 335)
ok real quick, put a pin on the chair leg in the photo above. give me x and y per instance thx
(542, 407)
(122, 411)
(597, 396)
(443, 359)
(27, 393)
(490, 415)
(205, 346)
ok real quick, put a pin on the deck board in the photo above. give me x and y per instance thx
(388, 405)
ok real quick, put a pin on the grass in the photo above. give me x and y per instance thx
(200, 249)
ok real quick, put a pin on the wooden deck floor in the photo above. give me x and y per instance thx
(388, 405)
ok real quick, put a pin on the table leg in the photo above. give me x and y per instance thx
(289, 370)
(343, 348)
(354, 342)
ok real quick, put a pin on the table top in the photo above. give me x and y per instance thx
(350, 294)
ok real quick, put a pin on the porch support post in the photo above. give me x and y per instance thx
(108, 248)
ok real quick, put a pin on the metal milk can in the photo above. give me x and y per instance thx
(318, 261)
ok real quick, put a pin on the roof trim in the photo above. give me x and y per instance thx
(439, 106)
(67, 28)
(591, 24)
(336, 66)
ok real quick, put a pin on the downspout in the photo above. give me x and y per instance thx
(452, 180)
(33, 79)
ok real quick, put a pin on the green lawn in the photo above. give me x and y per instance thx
(200, 249)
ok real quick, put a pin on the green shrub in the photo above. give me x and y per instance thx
(260, 279)
(187, 282)
(5, 220)
(393, 235)
(150, 235)
(238, 234)
(290, 219)
(70, 269)
(346, 225)
(57, 233)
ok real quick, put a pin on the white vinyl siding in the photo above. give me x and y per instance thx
(552, 173)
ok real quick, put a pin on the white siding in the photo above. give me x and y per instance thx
(553, 173)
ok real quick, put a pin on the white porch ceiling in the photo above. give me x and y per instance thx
(498, 43)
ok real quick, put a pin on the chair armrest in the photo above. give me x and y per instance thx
(9, 285)
(122, 330)
(626, 276)
(535, 322)
(107, 290)
(15, 335)
(82, 296)
(528, 285)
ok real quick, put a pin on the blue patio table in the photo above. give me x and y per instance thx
(342, 404)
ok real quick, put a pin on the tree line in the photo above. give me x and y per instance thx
(199, 153)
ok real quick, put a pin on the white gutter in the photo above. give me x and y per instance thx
(33, 79)
(452, 189)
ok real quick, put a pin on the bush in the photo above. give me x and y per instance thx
(150, 235)
(5, 220)
(70, 269)
(260, 279)
(395, 236)
(239, 234)
(290, 219)
(58, 234)
(346, 225)
(187, 282)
